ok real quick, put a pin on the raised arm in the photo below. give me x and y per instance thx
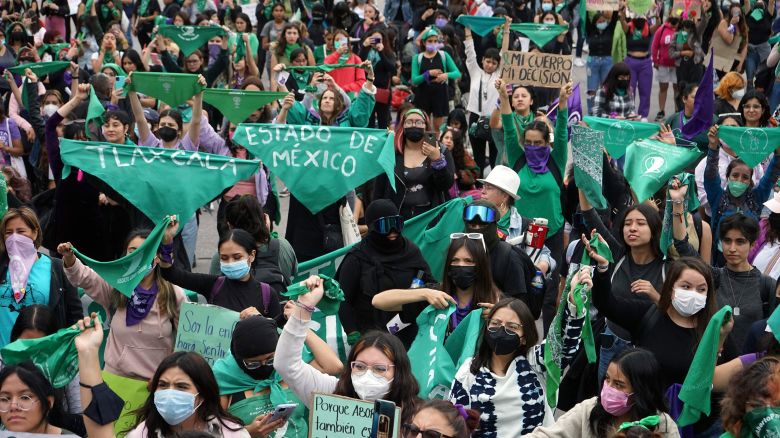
(197, 114)
(90, 376)
(138, 112)
(394, 299)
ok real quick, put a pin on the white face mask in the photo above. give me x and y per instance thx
(688, 302)
(738, 94)
(50, 109)
(370, 387)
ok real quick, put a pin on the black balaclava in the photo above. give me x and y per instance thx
(379, 209)
(490, 229)
(254, 336)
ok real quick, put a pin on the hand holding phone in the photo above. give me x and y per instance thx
(283, 411)
(282, 76)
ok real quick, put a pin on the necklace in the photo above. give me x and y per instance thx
(735, 310)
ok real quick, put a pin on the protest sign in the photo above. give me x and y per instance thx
(334, 416)
(602, 5)
(650, 164)
(640, 7)
(133, 392)
(319, 164)
(752, 145)
(206, 330)
(535, 68)
(7, 434)
(586, 152)
(157, 181)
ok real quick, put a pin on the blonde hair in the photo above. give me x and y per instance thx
(730, 82)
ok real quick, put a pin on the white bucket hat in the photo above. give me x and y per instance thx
(505, 179)
(774, 204)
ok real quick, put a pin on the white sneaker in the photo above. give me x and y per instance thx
(578, 62)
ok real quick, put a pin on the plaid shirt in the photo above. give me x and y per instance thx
(622, 106)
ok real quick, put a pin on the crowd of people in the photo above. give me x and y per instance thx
(597, 311)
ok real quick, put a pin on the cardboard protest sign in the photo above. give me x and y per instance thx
(205, 329)
(535, 69)
(602, 5)
(334, 416)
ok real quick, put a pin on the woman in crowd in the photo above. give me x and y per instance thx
(748, 409)
(754, 109)
(376, 47)
(442, 418)
(379, 366)
(679, 119)
(730, 38)
(639, 33)
(271, 32)
(143, 327)
(687, 54)
(298, 79)
(289, 39)
(522, 105)
(466, 169)
(481, 97)
(729, 93)
(424, 172)
(196, 63)
(614, 99)
(27, 401)
(467, 283)
(766, 252)
(431, 71)
(631, 391)
(759, 16)
(505, 378)
(599, 33)
(350, 79)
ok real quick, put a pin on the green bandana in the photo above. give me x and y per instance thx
(774, 323)
(331, 300)
(288, 49)
(250, 408)
(504, 222)
(757, 13)
(481, 26)
(374, 57)
(586, 151)
(540, 34)
(751, 145)
(123, 166)
(761, 423)
(521, 122)
(55, 355)
(127, 272)
(55, 48)
(201, 4)
(340, 159)
(648, 423)
(237, 105)
(117, 69)
(172, 88)
(232, 379)
(190, 38)
(559, 8)
(40, 69)
(3, 197)
(95, 112)
(650, 164)
(618, 134)
(238, 40)
(554, 342)
(690, 203)
(697, 387)
(143, 7)
(302, 78)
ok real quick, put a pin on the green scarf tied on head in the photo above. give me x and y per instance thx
(761, 423)
(232, 379)
(648, 423)
(117, 69)
(331, 300)
(690, 203)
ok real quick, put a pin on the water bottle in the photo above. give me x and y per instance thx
(417, 281)
(538, 281)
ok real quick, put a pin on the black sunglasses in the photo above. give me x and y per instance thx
(412, 431)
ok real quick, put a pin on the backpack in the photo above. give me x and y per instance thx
(534, 297)
(267, 270)
(265, 290)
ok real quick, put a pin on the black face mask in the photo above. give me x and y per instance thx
(622, 84)
(639, 23)
(774, 221)
(489, 233)
(462, 276)
(414, 134)
(18, 36)
(502, 342)
(166, 133)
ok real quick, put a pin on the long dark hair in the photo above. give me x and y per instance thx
(463, 427)
(643, 373)
(245, 18)
(458, 150)
(387, 48)
(610, 83)
(246, 213)
(530, 335)
(31, 376)
(675, 270)
(484, 289)
(403, 389)
(530, 92)
(712, 24)
(738, 162)
(198, 370)
(242, 239)
(761, 98)
(541, 127)
(135, 58)
(653, 222)
(36, 317)
(282, 40)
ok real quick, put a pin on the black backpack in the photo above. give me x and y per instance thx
(266, 269)
(534, 297)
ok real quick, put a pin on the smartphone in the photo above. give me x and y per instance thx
(283, 411)
(431, 138)
(119, 82)
(384, 417)
(376, 40)
(282, 76)
(155, 58)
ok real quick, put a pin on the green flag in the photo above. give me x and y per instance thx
(540, 34)
(55, 355)
(480, 25)
(691, 203)
(462, 342)
(3, 197)
(237, 105)
(586, 152)
(752, 145)
(697, 387)
(650, 164)
(237, 39)
(618, 134)
(331, 300)
(40, 68)
(190, 38)
(55, 48)
(95, 112)
(338, 159)
(172, 88)
(432, 365)
(127, 272)
(145, 176)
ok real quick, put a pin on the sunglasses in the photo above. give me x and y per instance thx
(412, 431)
(472, 236)
(385, 225)
(480, 213)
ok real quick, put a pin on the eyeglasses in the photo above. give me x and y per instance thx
(193, 61)
(255, 364)
(385, 225)
(414, 123)
(472, 236)
(752, 107)
(480, 212)
(378, 369)
(24, 403)
(412, 431)
(511, 328)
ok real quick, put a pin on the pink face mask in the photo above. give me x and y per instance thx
(614, 400)
(22, 254)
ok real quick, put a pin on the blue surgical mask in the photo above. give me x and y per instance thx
(441, 22)
(547, 7)
(602, 25)
(174, 406)
(236, 270)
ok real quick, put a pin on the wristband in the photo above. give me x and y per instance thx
(602, 269)
(747, 359)
(166, 253)
(305, 307)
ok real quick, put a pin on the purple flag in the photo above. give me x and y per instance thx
(703, 106)
(575, 108)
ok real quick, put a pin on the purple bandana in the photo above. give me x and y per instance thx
(537, 158)
(139, 305)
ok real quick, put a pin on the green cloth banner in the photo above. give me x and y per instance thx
(126, 273)
(752, 145)
(650, 164)
(618, 134)
(237, 105)
(39, 68)
(190, 38)
(172, 88)
(640, 7)
(338, 159)
(691, 203)
(55, 48)
(153, 179)
(554, 341)
(588, 172)
(697, 387)
(331, 300)
(480, 25)
(95, 112)
(55, 355)
(540, 34)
